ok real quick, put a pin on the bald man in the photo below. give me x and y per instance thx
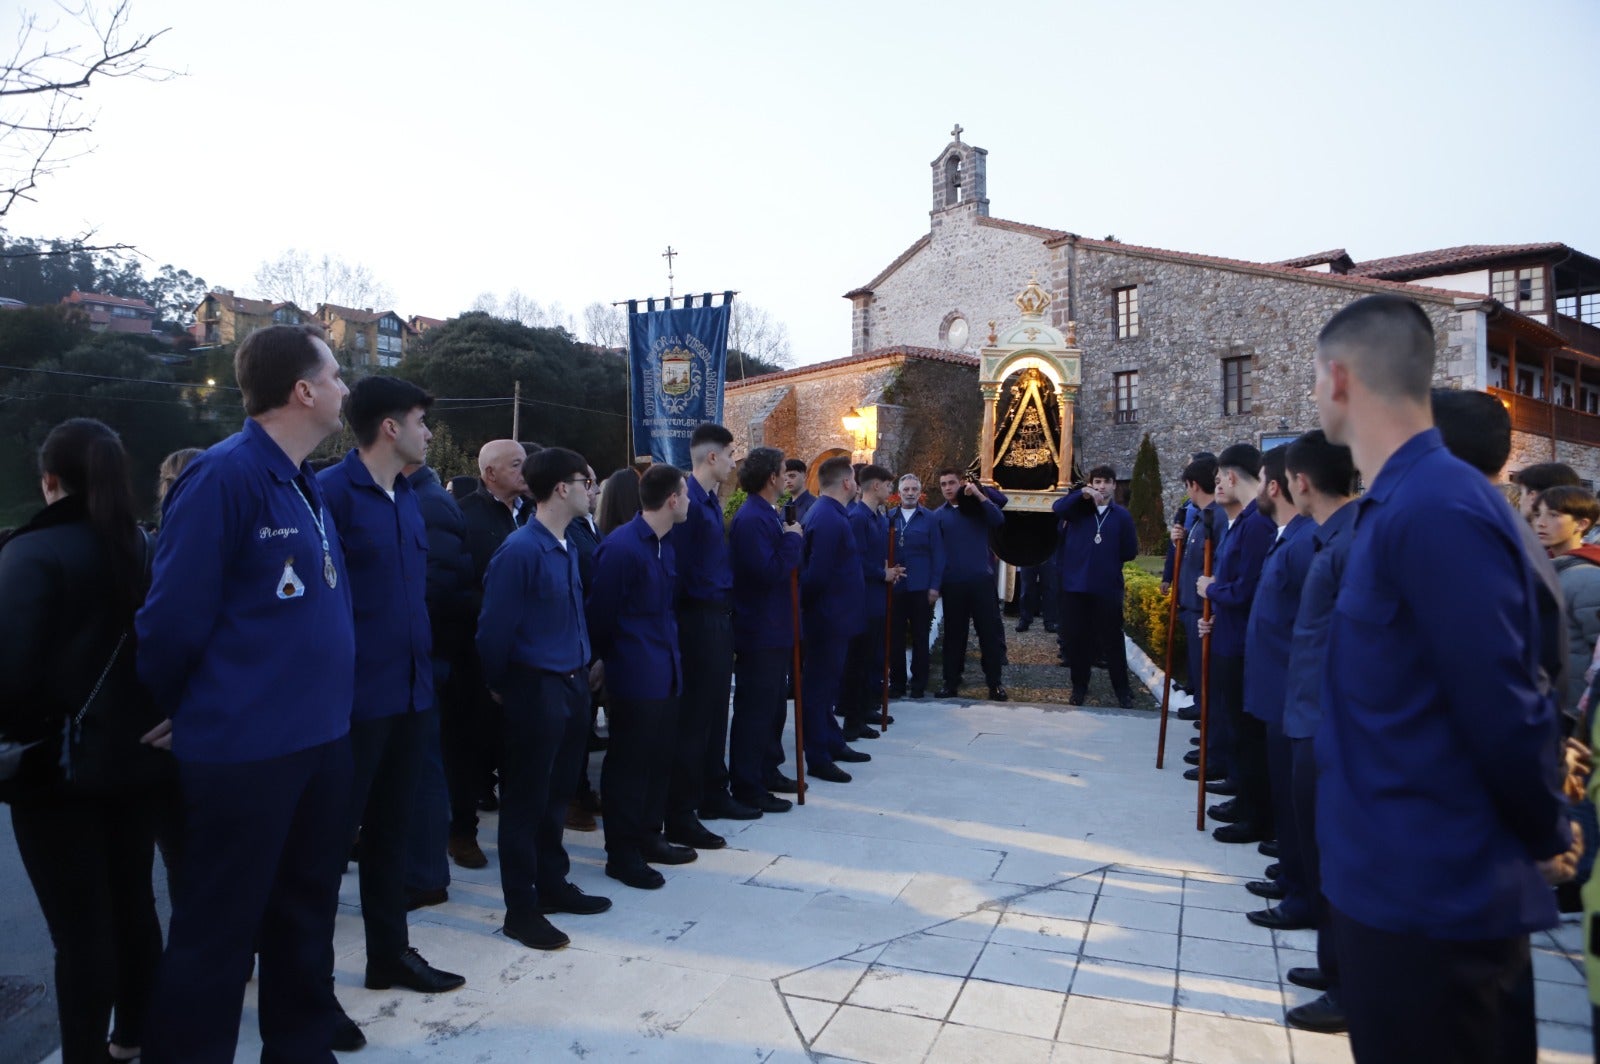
(498, 508)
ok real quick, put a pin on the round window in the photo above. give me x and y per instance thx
(955, 333)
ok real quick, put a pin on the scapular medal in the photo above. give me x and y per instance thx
(329, 573)
(1097, 537)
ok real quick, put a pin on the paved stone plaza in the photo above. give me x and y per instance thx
(1002, 883)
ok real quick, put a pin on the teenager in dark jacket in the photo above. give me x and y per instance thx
(70, 581)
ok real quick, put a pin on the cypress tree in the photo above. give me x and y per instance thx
(1144, 499)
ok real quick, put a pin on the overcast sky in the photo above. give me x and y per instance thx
(558, 148)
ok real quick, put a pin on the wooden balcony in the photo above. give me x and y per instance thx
(1579, 334)
(1539, 418)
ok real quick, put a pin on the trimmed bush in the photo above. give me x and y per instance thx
(1144, 618)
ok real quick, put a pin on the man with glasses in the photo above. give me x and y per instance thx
(919, 548)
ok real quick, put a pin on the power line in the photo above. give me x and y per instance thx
(122, 380)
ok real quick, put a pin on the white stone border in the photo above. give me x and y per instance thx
(1151, 676)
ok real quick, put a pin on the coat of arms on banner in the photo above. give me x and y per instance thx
(682, 372)
(677, 371)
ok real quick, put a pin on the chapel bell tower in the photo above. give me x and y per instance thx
(958, 177)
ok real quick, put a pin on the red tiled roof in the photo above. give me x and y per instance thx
(1321, 258)
(928, 354)
(76, 296)
(1422, 263)
(350, 313)
(241, 305)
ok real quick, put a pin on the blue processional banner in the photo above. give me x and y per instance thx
(677, 358)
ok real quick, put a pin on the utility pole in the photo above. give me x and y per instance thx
(516, 411)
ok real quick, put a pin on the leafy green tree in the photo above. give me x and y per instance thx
(37, 334)
(1144, 499)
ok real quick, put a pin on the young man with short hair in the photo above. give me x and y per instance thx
(860, 698)
(533, 644)
(633, 622)
(794, 486)
(1200, 482)
(386, 547)
(1097, 539)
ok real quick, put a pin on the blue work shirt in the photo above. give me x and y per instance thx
(1082, 565)
(872, 539)
(700, 547)
(1209, 521)
(241, 640)
(1267, 639)
(831, 585)
(1188, 514)
(966, 539)
(533, 612)
(1438, 784)
(386, 549)
(919, 546)
(765, 557)
(803, 504)
(453, 589)
(1302, 706)
(631, 613)
(1237, 567)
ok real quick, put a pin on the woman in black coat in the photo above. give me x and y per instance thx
(70, 582)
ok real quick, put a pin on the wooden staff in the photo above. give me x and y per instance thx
(888, 628)
(799, 709)
(1205, 690)
(1172, 628)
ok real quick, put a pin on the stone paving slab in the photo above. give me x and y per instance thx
(1001, 883)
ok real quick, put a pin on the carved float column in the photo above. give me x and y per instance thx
(1066, 397)
(991, 396)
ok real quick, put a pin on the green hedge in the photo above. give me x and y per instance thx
(1144, 618)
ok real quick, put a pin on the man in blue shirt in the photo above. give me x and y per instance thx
(1266, 661)
(584, 534)
(861, 696)
(247, 641)
(1322, 478)
(1439, 813)
(967, 517)
(386, 548)
(1231, 590)
(831, 589)
(1097, 538)
(766, 554)
(1199, 480)
(533, 645)
(794, 486)
(705, 644)
(919, 548)
(633, 622)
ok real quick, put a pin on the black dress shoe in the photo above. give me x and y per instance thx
(1077, 697)
(1268, 848)
(1194, 740)
(535, 932)
(635, 873)
(852, 757)
(827, 771)
(1125, 699)
(781, 784)
(1240, 831)
(1266, 888)
(771, 803)
(1191, 757)
(859, 731)
(347, 1036)
(657, 850)
(1189, 713)
(412, 972)
(1051, 628)
(726, 808)
(1224, 787)
(1274, 870)
(1310, 978)
(999, 694)
(1225, 812)
(569, 899)
(1023, 626)
(946, 692)
(1324, 1014)
(1272, 916)
(693, 833)
(422, 898)
(1212, 774)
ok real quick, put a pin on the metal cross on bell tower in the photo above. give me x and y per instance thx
(669, 255)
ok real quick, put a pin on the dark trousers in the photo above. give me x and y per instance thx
(1091, 626)
(265, 843)
(636, 771)
(1410, 998)
(427, 868)
(1039, 594)
(699, 772)
(1298, 900)
(1248, 756)
(759, 703)
(973, 602)
(466, 736)
(911, 610)
(89, 860)
(819, 691)
(386, 754)
(1304, 786)
(545, 720)
(1219, 728)
(861, 691)
(582, 788)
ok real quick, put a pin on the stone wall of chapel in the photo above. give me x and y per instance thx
(968, 267)
(1192, 316)
(1528, 449)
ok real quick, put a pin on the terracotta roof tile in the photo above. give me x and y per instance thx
(1321, 258)
(76, 296)
(1421, 262)
(928, 354)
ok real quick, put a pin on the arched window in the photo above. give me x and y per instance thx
(952, 179)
